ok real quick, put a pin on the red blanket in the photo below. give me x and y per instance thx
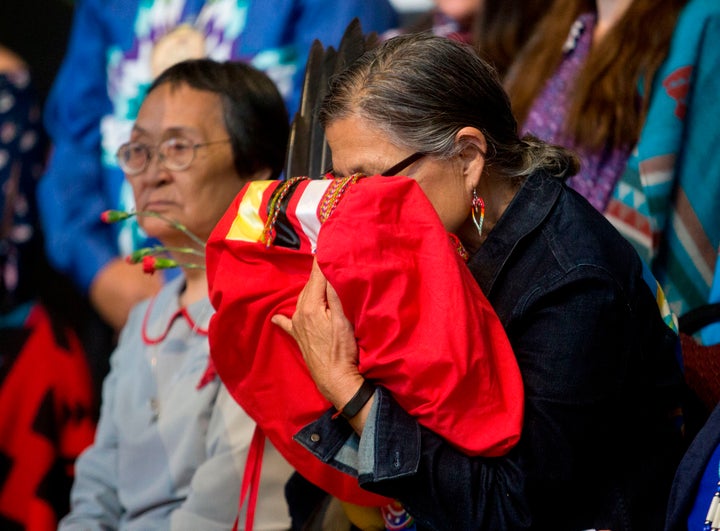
(425, 330)
(46, 404)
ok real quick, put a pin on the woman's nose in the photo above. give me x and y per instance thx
(156, 171)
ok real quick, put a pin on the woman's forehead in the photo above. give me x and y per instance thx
(356, 133)
(180, 109)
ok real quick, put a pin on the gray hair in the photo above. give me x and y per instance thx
(421, 90)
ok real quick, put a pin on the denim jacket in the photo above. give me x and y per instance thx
(600, 370)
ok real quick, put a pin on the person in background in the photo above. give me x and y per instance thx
(627, 84)
(448, 18)
(502, 27)
(116, 48)
(594, 343)
(498, 29)
(46, 394)
(171, 443)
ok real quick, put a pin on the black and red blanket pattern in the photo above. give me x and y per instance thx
(46, 420)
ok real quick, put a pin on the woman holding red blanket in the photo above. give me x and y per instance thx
(426, 331)
(586, 321)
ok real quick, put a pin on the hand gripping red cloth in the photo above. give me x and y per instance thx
(425, 330)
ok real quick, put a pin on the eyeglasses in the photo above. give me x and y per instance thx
(176, 154)
(393, 170)
(404, 163)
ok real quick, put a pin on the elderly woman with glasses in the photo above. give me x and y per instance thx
(583, 315)
(171, 443)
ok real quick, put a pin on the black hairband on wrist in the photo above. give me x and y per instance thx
(356, 403)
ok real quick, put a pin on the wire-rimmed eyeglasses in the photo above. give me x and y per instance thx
(176, 154)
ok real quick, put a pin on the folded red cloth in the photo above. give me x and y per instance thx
(425, 330)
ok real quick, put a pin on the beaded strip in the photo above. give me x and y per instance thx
(459, 248)
(334, 193)
(274, 208)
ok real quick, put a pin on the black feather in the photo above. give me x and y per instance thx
(308, 153)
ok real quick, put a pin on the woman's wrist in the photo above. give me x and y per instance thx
(339, 388)
(356, 403)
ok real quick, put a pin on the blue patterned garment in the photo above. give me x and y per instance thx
(116, 48)
(661, 194)
(666, 202)
(21, 164)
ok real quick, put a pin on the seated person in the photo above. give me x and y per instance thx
(413, 341)
(627, 85)
(116, 49)
(171, 442)
(43, 369)
(588, 326)
(446, 18)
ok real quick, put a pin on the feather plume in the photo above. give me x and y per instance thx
(308, 153)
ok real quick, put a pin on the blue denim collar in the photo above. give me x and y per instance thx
(525, 213)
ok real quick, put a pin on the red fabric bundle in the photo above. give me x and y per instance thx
(425, 330)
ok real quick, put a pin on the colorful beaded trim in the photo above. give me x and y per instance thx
(334, 193)
(329, 202)
(274, 208)
(459, 248)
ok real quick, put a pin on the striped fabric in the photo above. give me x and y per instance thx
(249, 224)
(666, 202)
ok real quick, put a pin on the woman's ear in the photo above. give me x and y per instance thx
(472, 149)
